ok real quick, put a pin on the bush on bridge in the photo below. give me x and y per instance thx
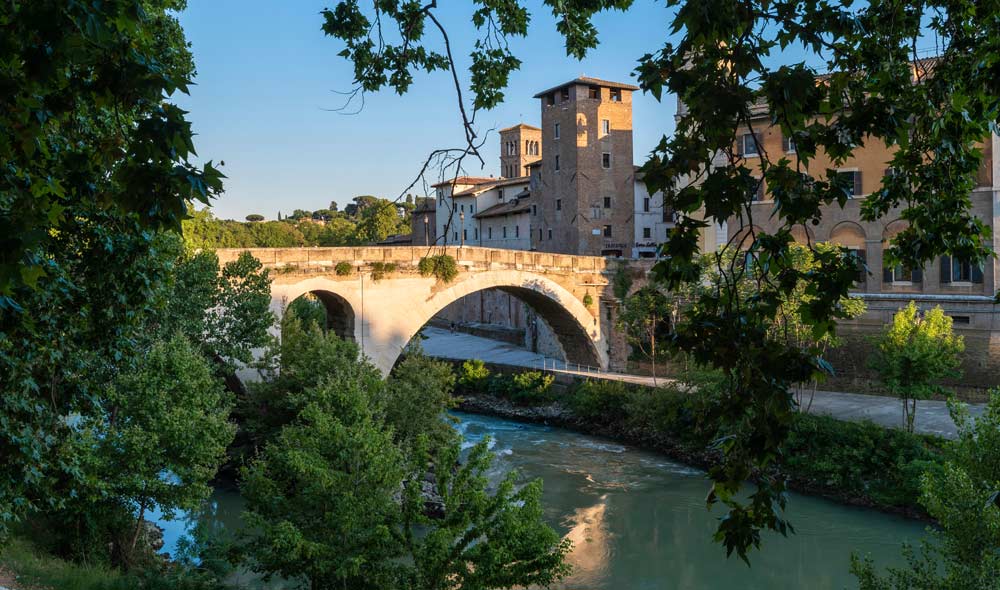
(343, 269)
(441, 266)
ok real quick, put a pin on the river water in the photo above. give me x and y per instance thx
(638, 521)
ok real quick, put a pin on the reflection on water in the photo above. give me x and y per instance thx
(638, 520)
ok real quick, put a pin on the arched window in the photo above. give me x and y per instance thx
(850, 235)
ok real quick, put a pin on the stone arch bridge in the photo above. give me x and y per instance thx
(382, 313)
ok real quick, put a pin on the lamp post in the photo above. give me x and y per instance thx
(427, 239)
(461, 217)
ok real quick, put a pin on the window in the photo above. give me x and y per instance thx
(607, 231)
(565, 94)
(550, 233)
(500, 194)
(555, 133)
(607, 202)
(596, 212)
(961, 319)
(616, 95)
(534, 210)
(606, 160)
(539, 234)
(594, 92)
(558, 204)
(475, 233)
(551, 99)
(472, 207)
(489, 233)
(757, 190)
(455, 235)
(899, 273)
(454, 206)
(465, 234)
(645, 204)
(852, 178)
(505, 231)
(605, 126)
(860, 258)
(956, 270)
(517, 231)
(647, 233)
(668, 216)
(557, 161)
(788, 144)
(462, 207)
(748, 145)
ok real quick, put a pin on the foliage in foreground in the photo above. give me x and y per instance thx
(914, 353)
(963, 496)
(333, 429)
(441, 266)
(525, 388)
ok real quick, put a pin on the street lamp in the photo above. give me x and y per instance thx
(461, 217)
(427, 239)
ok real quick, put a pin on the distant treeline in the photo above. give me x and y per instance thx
(366, 220)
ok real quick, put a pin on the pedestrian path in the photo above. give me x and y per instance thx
(932, 416)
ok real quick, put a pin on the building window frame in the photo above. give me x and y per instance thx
(558, 204)
(607, 231)
(748, 145)
(605, 127)
(555, 131)
(607, 202)
(606, 160)
(647, 233)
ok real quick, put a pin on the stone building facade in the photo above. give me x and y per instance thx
(520, 145)
(585, 203)
(964, 289)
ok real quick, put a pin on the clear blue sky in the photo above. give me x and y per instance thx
(267, 77)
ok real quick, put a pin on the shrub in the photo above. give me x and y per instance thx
(441, 266)
(382, 269)
(473, 376)
(526, 388)
(343, 269)
(601, 401)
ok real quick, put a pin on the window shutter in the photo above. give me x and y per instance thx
(857, 182)
(917, 275)
(945, 269)
(977, 274)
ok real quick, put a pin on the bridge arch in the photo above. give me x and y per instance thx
(387, 314)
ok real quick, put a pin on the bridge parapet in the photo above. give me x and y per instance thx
(307, 259)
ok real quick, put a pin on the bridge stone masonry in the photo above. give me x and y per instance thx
(383, 312)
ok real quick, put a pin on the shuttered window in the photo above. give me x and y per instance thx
(954, 270)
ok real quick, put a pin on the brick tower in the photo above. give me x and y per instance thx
(519, 146)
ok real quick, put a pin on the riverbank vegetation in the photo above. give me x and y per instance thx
(856, 463)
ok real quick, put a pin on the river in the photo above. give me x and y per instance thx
(638, 520)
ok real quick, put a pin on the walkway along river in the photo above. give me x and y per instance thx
(638, 521)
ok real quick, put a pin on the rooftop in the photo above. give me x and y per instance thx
(521, 126)
(513, 206)
(465, 180)
(501, 182)
(587, 81)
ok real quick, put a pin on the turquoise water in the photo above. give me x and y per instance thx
(638, 521)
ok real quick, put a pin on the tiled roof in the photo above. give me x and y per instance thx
(512, 206)
(466, 180)
(521, 126)
(482, 188)
(590, 82)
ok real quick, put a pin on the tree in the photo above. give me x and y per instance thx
(372, 538)
(116, 145)
(718, 58)
(169, 426)
(377, 221)
(416, 398)
(253, 217)
(296, 530)
(963, 497)
(645, 316)
(914, 353)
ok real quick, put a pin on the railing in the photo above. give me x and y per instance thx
(547, 364)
